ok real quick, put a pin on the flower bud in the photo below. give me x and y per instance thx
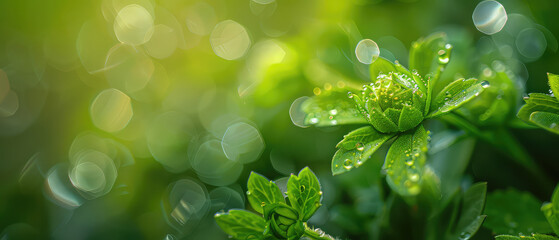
(394, 102)
(283, 221)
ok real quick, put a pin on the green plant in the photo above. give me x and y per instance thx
(541, 109)
(395, 105)
(529, 220)
(282, 217)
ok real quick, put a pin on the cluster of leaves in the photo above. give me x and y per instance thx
(395, 105)
(282, 217)
(522, 216)
(542, 109)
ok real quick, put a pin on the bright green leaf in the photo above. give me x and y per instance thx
(409, 118)
(546, 120)
(424, 53)
(405, 161)
(455, 95)
(356, 148)
(304, 193)
(331, 108)
(554, 84)
(513, 212)
(261, 191)
(241, 224)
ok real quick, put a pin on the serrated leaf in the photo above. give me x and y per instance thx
(535, 236)
(546, 120)
(261, 192)
(551, 211)
(356, 148)
(554, 84)
(405, 161)
(241, 224)
(304, 193)
(472, 206)
(512, 212)
(331, 108)
(455, 95)
(424, 53)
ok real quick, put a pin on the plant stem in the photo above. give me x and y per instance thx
(503, 140)
(312, 234)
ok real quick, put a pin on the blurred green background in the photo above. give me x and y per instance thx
(140, 119)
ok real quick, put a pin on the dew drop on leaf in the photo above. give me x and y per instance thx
(485, 84)
(464, 235)
(359, 146)
(347, 164)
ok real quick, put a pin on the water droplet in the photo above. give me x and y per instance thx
(359, 146)
(444, 56)
(489, 17)
(314, 120)
(464, 236)
(485, 84)
(409, 161)
(367, 51)
(333, 111)
(320, 193)
(334, 122)
(348, 164)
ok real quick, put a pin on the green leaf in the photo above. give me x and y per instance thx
(304, 193)
(554, 84)
(546, 120)
(535, 236)
(472, 207)
(356, 148)
(241, 224)
(331, 108)
(538, 102)
(381, 66)
(383, 123)
(405, 161)
(424, 53)
(512, 212)
(455, 95)
(551, 211)
(469, 230)
(261, 192)
(409, 118)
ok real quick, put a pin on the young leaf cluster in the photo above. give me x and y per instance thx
(394, 105)
(279, 217)
(541, 109)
